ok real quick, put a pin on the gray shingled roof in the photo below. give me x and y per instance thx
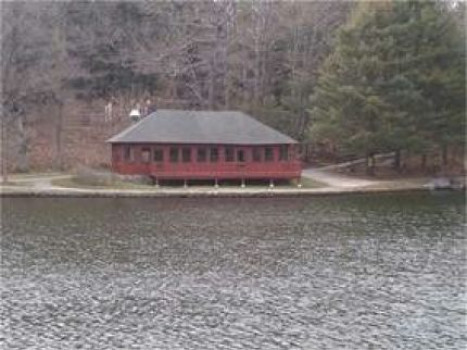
(221, 127)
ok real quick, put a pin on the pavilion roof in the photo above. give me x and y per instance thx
(201, 127)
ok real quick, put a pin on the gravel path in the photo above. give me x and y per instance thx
(39, 181)
(41, 185)
(44, 181)
(336, 180)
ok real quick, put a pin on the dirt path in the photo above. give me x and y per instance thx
(336, 180)
(37, 181)
(42, 185)
(44, 181)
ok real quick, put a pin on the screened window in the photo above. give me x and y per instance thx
(284, 152)
(229, 154)
(201, 155)
(158, 155)
(268, 155)
(186, 155)
(173, 154)
(214, 155)
(145, 155)
(240, 155)
(129, 154)
(115, 154)
(257, 154)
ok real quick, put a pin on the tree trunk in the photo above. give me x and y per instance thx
(424, 161)
(23, 163)
(227, 90)
(4, 153)
(212, 81)
(445, 155)
(58, 161)
(246, 96)
(370, 164)
(397, 160)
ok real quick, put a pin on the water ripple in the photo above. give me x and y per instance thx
(358, 272)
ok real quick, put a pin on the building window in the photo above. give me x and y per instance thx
(240, 155)
(129, 154)
(173, 154)
(268, 155)
(158, 155)
(257, 154)
(229, 154)
(214, 154)
(145, 155)
(284, 152)
(115, 154)
(201, 155)
(186, 155)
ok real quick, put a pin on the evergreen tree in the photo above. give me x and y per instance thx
(394, 82)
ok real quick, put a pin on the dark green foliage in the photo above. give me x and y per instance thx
(395, 81)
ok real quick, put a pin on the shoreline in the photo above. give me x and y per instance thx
(199, 192)
(323, 183)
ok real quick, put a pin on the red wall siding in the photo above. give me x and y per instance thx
(276, 169)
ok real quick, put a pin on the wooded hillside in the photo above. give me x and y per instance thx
(71, 71)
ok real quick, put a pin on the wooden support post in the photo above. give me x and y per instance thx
(185, 183)
(271, 184)
(216, 184)
(156, 182)
(243, 183)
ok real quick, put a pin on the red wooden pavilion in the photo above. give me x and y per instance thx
(217, 145)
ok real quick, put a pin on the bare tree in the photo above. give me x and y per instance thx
(261, 57)
(23, 51)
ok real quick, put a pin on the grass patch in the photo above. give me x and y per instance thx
(401, 183)
(74, 182)
(310, 183)
(15, 183)
(26, 176)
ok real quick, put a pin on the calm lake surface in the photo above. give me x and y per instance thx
(341, 272)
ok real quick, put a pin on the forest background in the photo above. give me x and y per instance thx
(347, 79)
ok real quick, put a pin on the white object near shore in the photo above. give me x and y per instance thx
(135, 115)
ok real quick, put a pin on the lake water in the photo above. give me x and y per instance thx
(341, 272)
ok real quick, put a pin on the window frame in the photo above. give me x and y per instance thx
(174, 157)
(284, 155)
(242, 158)
(186, 151)
(268, 156)
(158, 151)
(128, 154)
(145, 151)
(214, 156)
(201, 155)
(229, 157)
(257, 153)
(115, 154)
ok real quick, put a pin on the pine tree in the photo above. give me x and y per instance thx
(394, 81)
